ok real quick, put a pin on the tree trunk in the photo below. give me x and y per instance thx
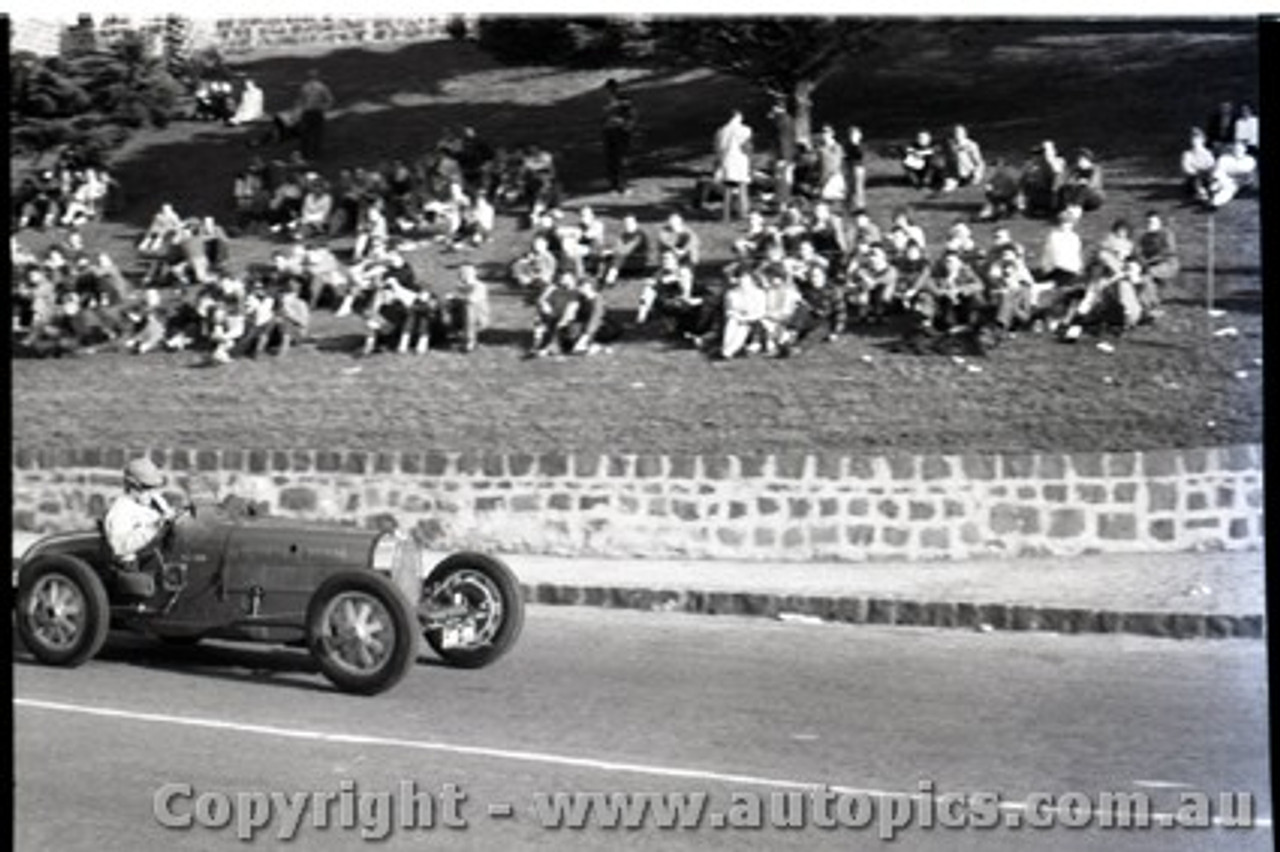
(802, 108)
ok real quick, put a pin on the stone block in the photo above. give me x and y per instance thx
(829, 466)
(685, 510)
(858, 507)
(790, 465)
(730, 536)
(1226, 498)
(1239, 457)
(1089, 465)
(357, 462)
(793, 537)
(765, 537)
(895, 536)
(179, 459)
(1195, 461)
(862, 467)
(658, 507)
(938, 538)
(902, 466)
(1092, 494)
(114, 458)
(882, 611)
(717, 467)
(298, 499)
(1162, 496)
(650, 467)
(824, 535)
(553, 464)
(828, 507)
(467, 464)
(1124, 492)
(620, 467)
(1018, 466)
(1121, 464)
(1066, 523)
(1055, 493)
(1197, 501)
(888, 508)
(1117, 526)
(683, 467)
(737, 509)
(919, 510)
(1051, 466)
(979, 467)
(1239, 528)
(767, 505)
(1011, 518)
(1161, 529)
(1161, 463)
(860, 535)
(799, 507)
(752, 467)
(952, 508)
(935, 467)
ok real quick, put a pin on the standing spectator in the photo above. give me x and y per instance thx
(784, 161)
(1042, 180)
(467, 308)
(963, 158)
(733, 163)
(619, 129)
(854, 156)
(250, 108)
(476, 159)
(1197, 166)
(1221, 127)
(314, 100)
(831, 179)
(1246, 128)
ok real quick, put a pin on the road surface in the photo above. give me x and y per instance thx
(629, 702)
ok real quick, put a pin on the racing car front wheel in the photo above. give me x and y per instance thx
(475, 610)
(361, 632)
(63, 612)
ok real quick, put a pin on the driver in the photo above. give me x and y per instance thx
(139, 515)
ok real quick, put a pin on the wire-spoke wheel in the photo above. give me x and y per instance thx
(485, 605)
(63, 613)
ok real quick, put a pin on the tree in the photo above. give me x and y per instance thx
(788, 57)
(90, 100)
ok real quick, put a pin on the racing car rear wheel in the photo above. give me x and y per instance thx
(63, 612)
(485, 611)
(361, 632)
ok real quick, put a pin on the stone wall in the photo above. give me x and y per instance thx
(746, 507)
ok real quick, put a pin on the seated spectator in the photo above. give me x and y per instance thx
(539, 179)
(676, 237)
(1011, 289)
(628, 255)
(961, 241)
(165, 226)
(669, 295)
(475, 225)
(557, 312)
(902, 232)
(1246, 128)
(1115, 249)
(1062, 258)
(147, 324)
(251, 197)
(1198, 163)
(951, 298)
(785, 315)
(1042, 180)
(1110, 301)
(922, 162)
(373, 232)
(1236, 170)
(827, 306)
(251, 105)
(873, 287)
(806, 176)
(1082, 186)
(1003, 191)
(963, 163)
(745, 306)
(1158, 251)
(827, 233)
(865, 232)
(325, 280)
(535, 270)
(226, 327)
(317, 207)
(287, 322)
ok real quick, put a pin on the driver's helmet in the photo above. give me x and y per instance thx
(142, 473)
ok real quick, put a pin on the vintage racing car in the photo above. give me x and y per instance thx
(356, 598)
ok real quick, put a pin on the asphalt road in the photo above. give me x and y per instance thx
(611, 701)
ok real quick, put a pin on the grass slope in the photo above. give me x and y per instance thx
(1129, 92)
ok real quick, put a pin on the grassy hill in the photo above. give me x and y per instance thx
(1128, 91)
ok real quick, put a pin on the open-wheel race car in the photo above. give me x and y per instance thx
(356, 598)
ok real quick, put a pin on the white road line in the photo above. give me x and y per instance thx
(500, 753)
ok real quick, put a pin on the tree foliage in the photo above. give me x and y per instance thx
(593, 41)
(91, 100)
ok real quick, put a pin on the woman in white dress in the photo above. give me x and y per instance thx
(733, 163)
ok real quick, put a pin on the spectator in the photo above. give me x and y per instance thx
(557, 311)
(1235, 170)
(1198, 165)
(468, 307)
(476, 159)
(1003, 192)
(1011, 289)
(628, 255)
(1158, 251)
(855, 157)
(675, 236)
(831, 177)
(165, 226)
(745, 306)
(827, 233)
(1042, 180)
(1115, 249)
(250, 108)
(1062, 259)
(873, 286)
(314, 100)
(921, 162)
(619, 128)
(1082, 186)
(1220, 129)
(1246, 128)
(1110, 301)
(373, 232)
(963, 161)
(904, 231)
(670, 295)
(733, 163)
(317, 208)
(535, 270)
(251, 197)
(784, 161)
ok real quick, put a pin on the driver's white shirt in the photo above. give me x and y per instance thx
(134, 521)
